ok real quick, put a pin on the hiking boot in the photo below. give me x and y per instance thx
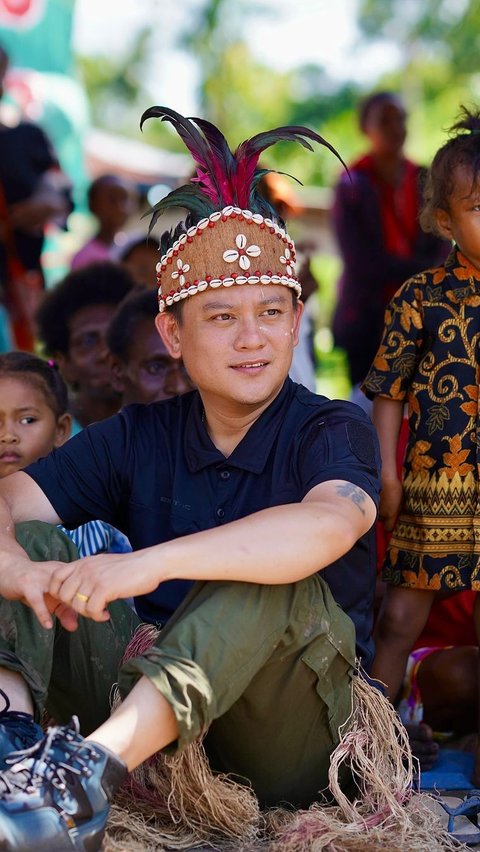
(56, 795)
(17, 730)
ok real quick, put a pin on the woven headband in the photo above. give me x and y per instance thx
(231, 234)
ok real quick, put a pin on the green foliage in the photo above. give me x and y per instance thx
(242, 87)
(326, 269)
(439, 38)
(314, 99)
(453, 28)
(114, 84)
(210, 29)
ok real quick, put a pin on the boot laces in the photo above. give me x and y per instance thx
(37, 766)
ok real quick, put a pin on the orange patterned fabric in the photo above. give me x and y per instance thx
(429, 357)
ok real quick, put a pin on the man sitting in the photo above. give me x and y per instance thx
(236, 498)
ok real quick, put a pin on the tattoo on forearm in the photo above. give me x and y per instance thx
(353, 493)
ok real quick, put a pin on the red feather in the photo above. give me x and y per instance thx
(247, 154)
(222, 177)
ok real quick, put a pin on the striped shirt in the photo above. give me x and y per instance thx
(97, 537)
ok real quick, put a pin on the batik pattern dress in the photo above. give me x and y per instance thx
(429, 358)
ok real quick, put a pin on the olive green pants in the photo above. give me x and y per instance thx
(69, 673)
(263, 672)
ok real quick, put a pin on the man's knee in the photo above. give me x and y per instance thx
(44, 542)
(25, 646)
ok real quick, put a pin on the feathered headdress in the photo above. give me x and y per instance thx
(231, 234)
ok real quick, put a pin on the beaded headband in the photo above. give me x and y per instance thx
(231, 234)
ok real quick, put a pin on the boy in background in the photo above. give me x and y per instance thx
(142, 369)
(72, 322)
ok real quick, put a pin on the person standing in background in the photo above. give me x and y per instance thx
(111, 200)
(375, 220)
(33, 192)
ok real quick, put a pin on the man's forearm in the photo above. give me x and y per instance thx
(278, 545)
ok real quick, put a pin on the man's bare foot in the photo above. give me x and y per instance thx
(423, 746)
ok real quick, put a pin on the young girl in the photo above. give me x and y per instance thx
(33, 421)
(429, 357)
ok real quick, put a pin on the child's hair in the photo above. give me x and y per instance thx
(461, 151)
(145, 240)
(102, 283)
(135, 307)
(40, 374)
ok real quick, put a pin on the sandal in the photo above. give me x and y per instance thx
(462, 824)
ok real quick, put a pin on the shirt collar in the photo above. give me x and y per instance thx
(461, 267)
(252, 452)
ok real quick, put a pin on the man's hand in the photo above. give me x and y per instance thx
(89, 584)
(66, 615)
(28, 582)
(391, 497)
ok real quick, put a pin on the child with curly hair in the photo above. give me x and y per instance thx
(428, 358)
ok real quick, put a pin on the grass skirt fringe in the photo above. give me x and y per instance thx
(176, 803)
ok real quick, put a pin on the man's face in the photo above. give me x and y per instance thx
(86, 364)
(150, 374)
(236, 343)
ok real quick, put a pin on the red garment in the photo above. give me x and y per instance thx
(23, 287)
(450, 622)
(398, 209)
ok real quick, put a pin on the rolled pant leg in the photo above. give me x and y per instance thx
(86, 665)
(71, 673)
(266, 670)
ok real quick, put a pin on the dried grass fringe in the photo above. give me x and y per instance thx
(177, 803)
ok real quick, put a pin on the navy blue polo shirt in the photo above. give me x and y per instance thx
(153, 472)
